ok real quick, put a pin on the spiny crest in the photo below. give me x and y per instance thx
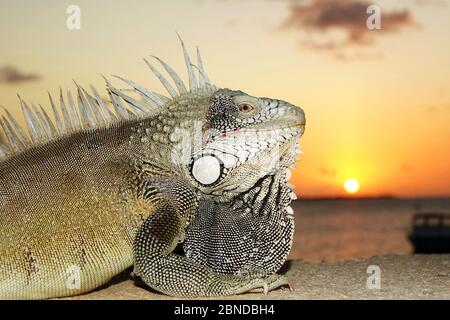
(83, 110)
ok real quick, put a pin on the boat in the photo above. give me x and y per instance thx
(430, 232)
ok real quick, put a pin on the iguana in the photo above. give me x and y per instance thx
(100, 188)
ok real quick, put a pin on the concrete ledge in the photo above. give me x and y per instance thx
(402, 277)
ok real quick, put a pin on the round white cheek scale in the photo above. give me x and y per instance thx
(206, 169)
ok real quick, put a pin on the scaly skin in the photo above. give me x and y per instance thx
(102, 200)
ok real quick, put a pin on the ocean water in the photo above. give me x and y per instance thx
(335, 230)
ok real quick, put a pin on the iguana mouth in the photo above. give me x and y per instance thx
(238, 131)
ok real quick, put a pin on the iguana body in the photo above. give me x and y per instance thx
(103, 191)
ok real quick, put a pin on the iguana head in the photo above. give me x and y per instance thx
(244, 139)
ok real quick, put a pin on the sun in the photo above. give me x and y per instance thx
(351, 185)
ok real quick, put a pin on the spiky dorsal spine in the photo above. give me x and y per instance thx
(89, 110)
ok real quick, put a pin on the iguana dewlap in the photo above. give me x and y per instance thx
(102, 188)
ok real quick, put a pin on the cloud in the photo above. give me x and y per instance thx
(333, 26)
(12, 75)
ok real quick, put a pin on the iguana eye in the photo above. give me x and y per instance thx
(245, 107)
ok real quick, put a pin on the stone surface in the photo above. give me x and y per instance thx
(402, 277)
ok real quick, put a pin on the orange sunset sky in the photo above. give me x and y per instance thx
(377, 101)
